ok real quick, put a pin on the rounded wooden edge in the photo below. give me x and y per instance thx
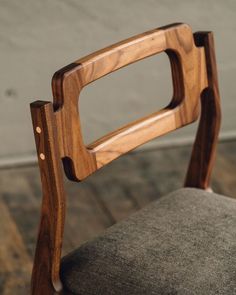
(81, 161)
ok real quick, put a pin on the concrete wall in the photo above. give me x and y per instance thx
(39, 37)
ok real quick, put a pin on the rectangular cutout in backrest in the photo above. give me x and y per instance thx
(124, 96)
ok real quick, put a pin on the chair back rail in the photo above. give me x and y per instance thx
(189, 76)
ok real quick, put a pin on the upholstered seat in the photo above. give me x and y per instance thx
(184, 243)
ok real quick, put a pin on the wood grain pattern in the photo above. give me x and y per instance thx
(189, 79)
(45, 276)
(204, 149)
(58, 133)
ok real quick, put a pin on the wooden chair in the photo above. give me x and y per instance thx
(183, 243)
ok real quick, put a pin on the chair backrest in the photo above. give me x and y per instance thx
(58, 132)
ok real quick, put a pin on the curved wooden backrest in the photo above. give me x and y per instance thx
(189, 80)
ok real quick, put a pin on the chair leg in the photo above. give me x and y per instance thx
(46, 269)
(204, 148)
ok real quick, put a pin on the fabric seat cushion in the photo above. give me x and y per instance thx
(183, 243)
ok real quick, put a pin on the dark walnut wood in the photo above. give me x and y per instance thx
(204, 149)
(189, 79)
(58, 132)
(45, 276)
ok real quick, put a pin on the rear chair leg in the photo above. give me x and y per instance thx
(204, 148)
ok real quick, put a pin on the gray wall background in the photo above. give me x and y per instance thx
(39, 37)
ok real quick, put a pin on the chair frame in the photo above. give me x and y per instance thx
(195, 83)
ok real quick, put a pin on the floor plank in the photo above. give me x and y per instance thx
(14, 260)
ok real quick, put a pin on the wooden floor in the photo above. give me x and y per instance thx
(103, 199)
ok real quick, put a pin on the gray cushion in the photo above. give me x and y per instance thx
(184, 243)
